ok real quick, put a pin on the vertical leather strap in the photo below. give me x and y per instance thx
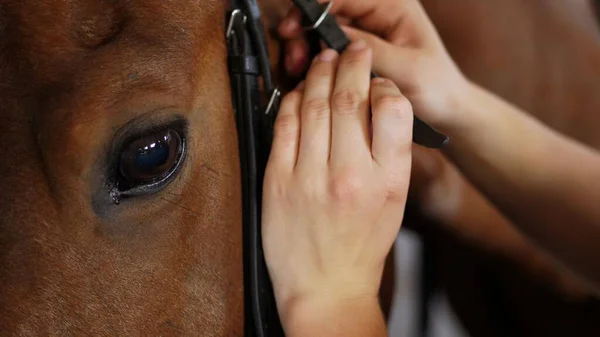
(246, 64)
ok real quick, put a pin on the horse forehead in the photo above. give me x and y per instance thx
(66, 12)
(59, 28)
(62, 44)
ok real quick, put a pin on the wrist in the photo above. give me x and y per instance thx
(460, 109)
(332, 315)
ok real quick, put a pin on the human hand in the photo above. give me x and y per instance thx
(407, 50)
(336, 183)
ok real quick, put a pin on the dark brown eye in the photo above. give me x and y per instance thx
(150, 159)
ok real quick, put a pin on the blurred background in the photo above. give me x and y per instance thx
(404, 320)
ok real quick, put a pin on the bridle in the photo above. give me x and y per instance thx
(248, 63)
(256, 103)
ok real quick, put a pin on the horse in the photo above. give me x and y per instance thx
(543, 56)
(96, 238)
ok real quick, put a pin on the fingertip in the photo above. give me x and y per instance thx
(290, 25)
(300, 51)
(348, 30)
(360, 47)
(297, 57)
(328, 55)
(358, 36)
(289, 28)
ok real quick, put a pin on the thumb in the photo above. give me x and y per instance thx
(393, 62)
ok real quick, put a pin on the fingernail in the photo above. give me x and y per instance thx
(300, 85)
(328, 55)
(379, 80)
(358, 45)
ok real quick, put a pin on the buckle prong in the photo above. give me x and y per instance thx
(274, 96)
(237, 13)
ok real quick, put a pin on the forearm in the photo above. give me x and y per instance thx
(492, 233)
(456, 205)
(348, 318)
(545, 183)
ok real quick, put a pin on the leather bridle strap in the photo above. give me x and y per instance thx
(249, 70)
(334, 37)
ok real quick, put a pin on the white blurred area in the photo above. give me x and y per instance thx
(404, 316)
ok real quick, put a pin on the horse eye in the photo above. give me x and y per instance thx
(150, 159)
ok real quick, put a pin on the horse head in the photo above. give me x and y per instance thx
(120, 208)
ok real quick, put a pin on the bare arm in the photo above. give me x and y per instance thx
(454, 203)
(547, 184)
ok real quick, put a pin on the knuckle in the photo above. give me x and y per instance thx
(344, 188)
(316, 108)
(396, 106)
(397, 186)
(306, 187)
(346, 101)
(274, 186)
(285, 127)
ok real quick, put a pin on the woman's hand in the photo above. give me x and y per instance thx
(407, 50)
(335, 191)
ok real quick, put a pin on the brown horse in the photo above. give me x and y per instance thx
(543, 56)
(150, 246)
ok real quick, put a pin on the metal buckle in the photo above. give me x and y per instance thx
(234, 16)
(322, 17)
(274, 97)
